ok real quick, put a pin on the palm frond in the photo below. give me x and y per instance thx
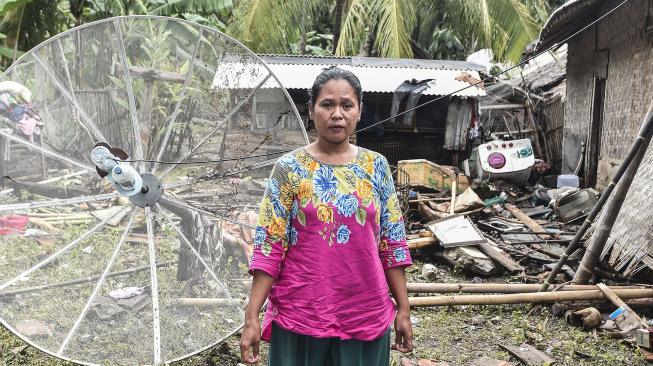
(7, 5)
(505, 26)
(396, 21)
(520, 27)
(352, 32)
(264, 26)
(193, 6)
(137, 7)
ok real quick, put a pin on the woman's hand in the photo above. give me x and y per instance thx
(404, 333)
(249, 340)
(251, 335)
(403, 328)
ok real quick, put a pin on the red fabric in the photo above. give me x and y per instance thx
(13, 224)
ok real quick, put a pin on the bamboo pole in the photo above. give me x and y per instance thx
(607, 219)
(504, 288)
(43, 224)
(645, 132)
(526, 298)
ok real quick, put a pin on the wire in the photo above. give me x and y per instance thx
(555, 45)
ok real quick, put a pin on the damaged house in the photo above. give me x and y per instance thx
(609, 89)
(437, 131)
(533, 99)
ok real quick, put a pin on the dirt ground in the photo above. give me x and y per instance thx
(458, 335)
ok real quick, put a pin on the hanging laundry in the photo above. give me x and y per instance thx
(411, 91)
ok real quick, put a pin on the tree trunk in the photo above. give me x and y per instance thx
(302, 43)
(366, 46)
(340, 9)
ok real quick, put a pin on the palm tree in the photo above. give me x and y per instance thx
(393, 27)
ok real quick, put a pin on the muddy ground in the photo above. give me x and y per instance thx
(458, 335)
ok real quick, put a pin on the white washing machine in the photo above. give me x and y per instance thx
(509, 160)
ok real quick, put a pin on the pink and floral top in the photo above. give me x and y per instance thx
(326, 233)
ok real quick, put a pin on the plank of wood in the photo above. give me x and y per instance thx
(618, 302)
(500, 257)
(526, 220)
(529, 355)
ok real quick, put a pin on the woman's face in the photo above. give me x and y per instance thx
(336, 111)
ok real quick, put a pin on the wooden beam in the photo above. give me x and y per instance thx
(496, 254)
(526, 220)
(618, 302)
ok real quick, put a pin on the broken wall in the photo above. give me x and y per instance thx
(619, 50)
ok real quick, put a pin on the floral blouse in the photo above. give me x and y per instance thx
(327, 233)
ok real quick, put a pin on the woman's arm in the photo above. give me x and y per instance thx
(396, 279)
(251, 334)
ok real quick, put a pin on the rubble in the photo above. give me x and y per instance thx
(526, 232)
(471, 259)
(34, 328)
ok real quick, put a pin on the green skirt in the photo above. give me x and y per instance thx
(292, 349)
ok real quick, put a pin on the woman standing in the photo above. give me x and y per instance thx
(330, 242)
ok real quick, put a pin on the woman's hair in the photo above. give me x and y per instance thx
(334, 73)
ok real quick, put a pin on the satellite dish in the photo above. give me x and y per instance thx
(109, 253)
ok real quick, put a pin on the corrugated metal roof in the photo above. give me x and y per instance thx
(384, 78)
(567, 19)
(412, 63)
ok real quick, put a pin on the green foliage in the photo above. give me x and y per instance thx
(446, 45)
(317, 44)
(444, 29)
(163, 7)
(27, 23)
(394, 27)
(396, 22)
(8, 5)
